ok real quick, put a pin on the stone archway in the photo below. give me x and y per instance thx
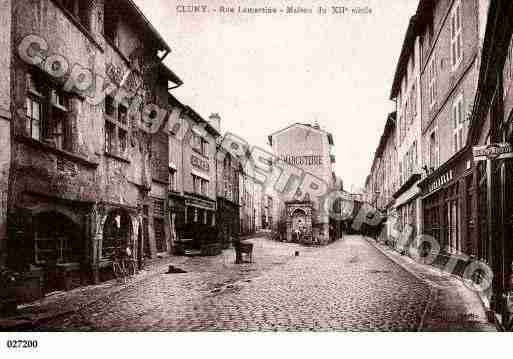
(298, 224)
(299, 221)
(118, 232)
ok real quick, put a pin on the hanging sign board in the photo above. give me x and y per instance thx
(495, 151)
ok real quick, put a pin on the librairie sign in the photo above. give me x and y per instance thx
(494, 151)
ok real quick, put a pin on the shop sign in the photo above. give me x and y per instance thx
(440, 181)
(302, 160)
(200, 204)
(494, 151)
(200, 163)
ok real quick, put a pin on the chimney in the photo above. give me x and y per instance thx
(215, 121)
(316, 125)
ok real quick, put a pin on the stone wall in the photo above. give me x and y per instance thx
(5, 116)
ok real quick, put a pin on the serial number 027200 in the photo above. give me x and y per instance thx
(22, 344)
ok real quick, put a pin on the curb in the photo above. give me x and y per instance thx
(434, 287)
(383, 252)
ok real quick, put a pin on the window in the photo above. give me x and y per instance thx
(507, 71)
(33, 104)
(109, 137)
(204, 187)
(434, 151)
(456, 35)
(204, 147)
(196, 184)
(116, 128)
(60, 128)
(172, 180)
(413, 102)
(196, 144)
(199, 144)
(405, 120)
(47, 108)
(414, 154)
(200, 185)
(432, 81)
(457, 123)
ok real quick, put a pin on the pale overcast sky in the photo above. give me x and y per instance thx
(263, 72)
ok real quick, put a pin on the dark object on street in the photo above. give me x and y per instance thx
(173, 269)
(296, 254)
(243, 248)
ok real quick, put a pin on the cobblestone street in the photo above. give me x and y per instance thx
(348, 285)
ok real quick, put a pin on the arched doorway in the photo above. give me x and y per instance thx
(117, 233)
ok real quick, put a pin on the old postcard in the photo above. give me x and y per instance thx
(255, 166)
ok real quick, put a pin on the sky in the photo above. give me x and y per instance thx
(262, 72)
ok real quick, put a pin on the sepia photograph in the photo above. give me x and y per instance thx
(248, 166)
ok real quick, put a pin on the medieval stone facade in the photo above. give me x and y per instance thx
(81, 182)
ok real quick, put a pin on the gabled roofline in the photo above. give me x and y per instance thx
(404, 57)
(148, 25)
(196, 117)
(169, 74)
(389, 126)
(300, 124)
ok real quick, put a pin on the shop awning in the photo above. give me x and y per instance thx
(407, 195)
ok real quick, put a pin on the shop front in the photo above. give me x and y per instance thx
(447, 211)
(406, 210)
(60, 245)
(199, 234)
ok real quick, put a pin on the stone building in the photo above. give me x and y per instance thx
(193, 183)
(248, 199)
(5, 118)
(490, 190)
(304, 152)
(383, 180)
(80, 173)
(449, 45)
(228, 197)
(406, 95)
(158, 218)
